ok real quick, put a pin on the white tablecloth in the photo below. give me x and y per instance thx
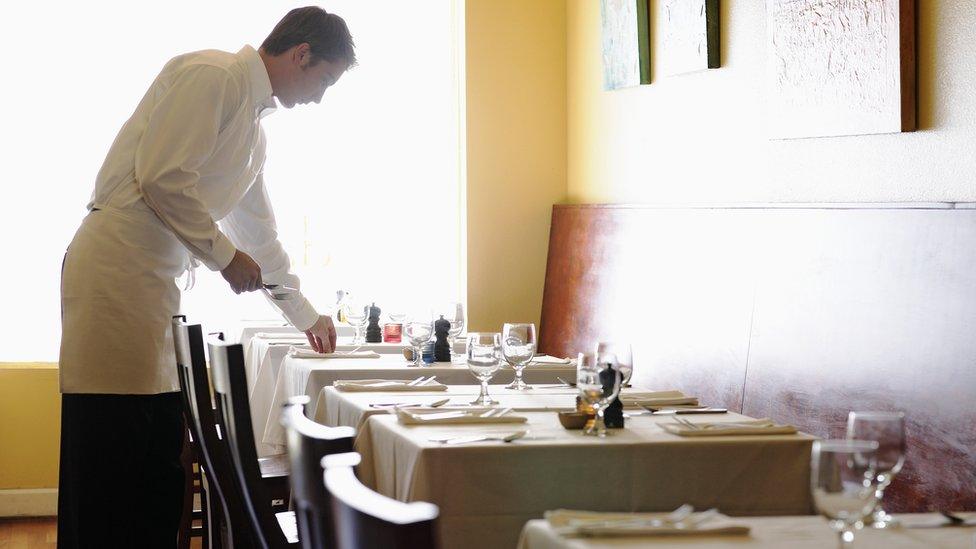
(795, 532)
(308, 376)
(487, 491)
(262, 362)
(250, 327)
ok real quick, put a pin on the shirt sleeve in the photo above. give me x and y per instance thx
(179, 138)
(251, 227)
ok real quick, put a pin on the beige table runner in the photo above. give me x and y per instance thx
(487, 491)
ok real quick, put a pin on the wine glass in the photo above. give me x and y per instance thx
(598, 383)
(518, 348)
(620, 355)
(418, 331)
(484, 359)
(356, 313)
(844, 483)
(888, 430)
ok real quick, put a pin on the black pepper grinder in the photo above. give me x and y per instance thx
(373, 332)
(442, 349)
(613, 416)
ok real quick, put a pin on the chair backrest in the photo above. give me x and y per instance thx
(230, 394)
(191, 364)
(308, 443)
(363, 518)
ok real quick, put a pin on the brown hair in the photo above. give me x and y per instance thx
(326, 33)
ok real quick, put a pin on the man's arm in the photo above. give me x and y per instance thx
(179, 138)
(251, 226)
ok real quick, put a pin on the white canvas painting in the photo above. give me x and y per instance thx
(624, 47)
(835, 67)
(686, 40)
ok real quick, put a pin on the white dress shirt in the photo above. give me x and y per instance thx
(193, 153)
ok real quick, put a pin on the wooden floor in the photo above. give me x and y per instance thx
(31, 533)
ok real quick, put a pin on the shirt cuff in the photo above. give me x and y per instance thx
(303, 316)
(223, 252)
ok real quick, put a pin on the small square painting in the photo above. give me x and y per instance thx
(626, 43)
(689, 36)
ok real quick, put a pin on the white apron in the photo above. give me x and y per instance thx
(118, 296)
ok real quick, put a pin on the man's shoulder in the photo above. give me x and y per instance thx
(219, 63)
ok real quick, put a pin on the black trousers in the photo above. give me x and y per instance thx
(121, 480)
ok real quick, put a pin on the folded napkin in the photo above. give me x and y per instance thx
(280, 335)
(384, 385)
(546, 359)
(635, 399)
(744, 427)
(428, 416)
(299, 351)
(586, 523)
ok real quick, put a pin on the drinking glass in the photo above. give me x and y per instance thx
(844, 483)
(484, 359)
(518, 348)
(418, 330)
(598, 383)
(454, 313)
(356, 313)
(620, 355)
(888, 430)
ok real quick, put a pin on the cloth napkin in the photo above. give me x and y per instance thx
(544, 360)
(298, 351)
(586, 523)
(745, 427)
(427, 416)
(384, 385)
(635, 399)
(280, 335)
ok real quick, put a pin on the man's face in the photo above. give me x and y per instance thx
(307, 82)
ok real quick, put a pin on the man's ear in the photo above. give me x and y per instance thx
(302, 55)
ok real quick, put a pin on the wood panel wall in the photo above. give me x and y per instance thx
(799, 314)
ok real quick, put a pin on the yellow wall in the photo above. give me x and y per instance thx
(30, 425)
(701, 137)
(516, 152)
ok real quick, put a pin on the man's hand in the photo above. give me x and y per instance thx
(242, 273)
(322, 335)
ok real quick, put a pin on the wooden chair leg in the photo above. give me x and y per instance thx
(186, 521)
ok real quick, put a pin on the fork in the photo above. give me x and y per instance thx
(687, 423)
(419, 381)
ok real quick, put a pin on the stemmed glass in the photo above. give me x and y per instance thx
(357, 315)
(620, 355)
(598, 383)
(844, 483)
(888, 430)
(518, 348)
(418, 331)
(484, 359)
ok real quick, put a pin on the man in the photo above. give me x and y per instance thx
(192, 154)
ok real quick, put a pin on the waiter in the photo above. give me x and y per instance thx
(191, 155)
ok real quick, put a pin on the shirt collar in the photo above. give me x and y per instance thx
(261, 91)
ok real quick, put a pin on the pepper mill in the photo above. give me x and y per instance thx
(613, 415)
(373, 332)
(442, 349)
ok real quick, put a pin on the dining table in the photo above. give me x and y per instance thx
(487, 490)
(308, 376)
(928, 530)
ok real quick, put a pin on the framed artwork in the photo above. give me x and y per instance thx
(689, 36)
(626, 43)
(838, 67)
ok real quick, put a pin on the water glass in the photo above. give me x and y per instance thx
(418, 331)
(518, 347)
(844, 483)
(888, 430)
(620, 354)
(598, 383)
(484, 359)
(357, 315)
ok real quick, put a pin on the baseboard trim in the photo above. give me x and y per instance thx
(37, 502)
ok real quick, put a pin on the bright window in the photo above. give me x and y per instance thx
(366, 186)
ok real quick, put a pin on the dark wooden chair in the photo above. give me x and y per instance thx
(364, 519)
(308, 443)
(272, 529)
